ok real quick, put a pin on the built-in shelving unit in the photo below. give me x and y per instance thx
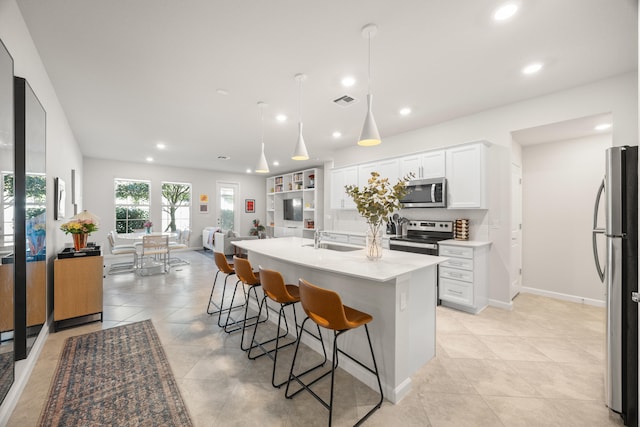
(305, 187)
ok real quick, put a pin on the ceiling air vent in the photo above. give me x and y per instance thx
(345, 100)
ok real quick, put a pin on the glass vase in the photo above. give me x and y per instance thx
(79, 241)
(373, 246)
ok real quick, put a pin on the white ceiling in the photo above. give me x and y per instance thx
(130, 74)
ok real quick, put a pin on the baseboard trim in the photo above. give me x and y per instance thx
(501, 304)
(22, 372)
(564, 297)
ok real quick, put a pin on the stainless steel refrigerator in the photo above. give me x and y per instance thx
(620, 275)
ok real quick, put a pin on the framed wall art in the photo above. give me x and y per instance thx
(250, 205)
(60, 200)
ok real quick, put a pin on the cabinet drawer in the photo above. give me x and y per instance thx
(456, 274)
(455, 251)
(463, 263)
(455, 291)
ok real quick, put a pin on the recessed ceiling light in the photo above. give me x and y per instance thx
(532, 68)
(160, 146)
(149, 159)
(248, 170)
(603, 126)
(222, 91)
(505, 12)
(276, 163)
(224, 157)
(337, 134)
(348, 81)
(405, 111)
(281, 118)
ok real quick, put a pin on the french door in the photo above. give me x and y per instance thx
(228, 205)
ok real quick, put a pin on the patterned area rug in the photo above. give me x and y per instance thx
(118, 376)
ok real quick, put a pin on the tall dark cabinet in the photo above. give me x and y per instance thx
(7, 145)
(30, 218)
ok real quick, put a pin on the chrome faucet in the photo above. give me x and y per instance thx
(317, 236)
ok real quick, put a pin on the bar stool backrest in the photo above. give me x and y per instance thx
(221, 263)
(274, 286)
(323, 306)
(244, 271)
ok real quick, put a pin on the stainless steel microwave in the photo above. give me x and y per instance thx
(426, 193)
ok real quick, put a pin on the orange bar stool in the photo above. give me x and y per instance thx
(286, 295)
(227, 269)
(246, 277)
(325, 308)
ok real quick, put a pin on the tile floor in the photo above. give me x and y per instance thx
(538, 365)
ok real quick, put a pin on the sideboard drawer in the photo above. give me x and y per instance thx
(463, 263)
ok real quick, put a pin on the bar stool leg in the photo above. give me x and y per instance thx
(273, 353)
(334, 366)
(296, 377)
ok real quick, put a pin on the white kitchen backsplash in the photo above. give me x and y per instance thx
(351, 221)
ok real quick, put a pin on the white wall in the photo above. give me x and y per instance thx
(616, 95)
(98, 196)
(63, 154)
(560, 180)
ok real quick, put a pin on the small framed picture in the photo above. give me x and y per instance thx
(204, 208)
(60, 200)
(249, 205)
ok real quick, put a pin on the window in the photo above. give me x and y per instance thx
(132, 204)
(176, 206)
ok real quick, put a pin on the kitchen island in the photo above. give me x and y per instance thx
(398, 290)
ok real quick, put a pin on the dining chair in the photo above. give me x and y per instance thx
(180, 244)
(158, 247)
(117, 250)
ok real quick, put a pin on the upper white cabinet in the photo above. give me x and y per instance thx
(425, 165)
(339, 178)
(466, 177)
(386, 168)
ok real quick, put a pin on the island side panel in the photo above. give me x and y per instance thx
(395, 333)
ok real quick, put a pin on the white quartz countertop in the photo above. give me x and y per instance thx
(466, 243)
(355, 263)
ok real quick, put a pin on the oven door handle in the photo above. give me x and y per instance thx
(413, 244)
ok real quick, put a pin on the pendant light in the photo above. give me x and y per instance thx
(369, 135)
(300, 153)
(263, 166)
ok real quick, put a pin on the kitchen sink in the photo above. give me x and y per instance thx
(335, 247)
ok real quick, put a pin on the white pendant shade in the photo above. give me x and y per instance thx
(263, 166)
(369, 135)
(300, 153)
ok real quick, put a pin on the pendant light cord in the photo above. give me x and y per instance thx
(300, 100)
(369, 69)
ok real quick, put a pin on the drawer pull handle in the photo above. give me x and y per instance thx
(455, 292)
(455, 263)
(455, 274)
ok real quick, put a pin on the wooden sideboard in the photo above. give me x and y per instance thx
(77, 287)
(36, 295)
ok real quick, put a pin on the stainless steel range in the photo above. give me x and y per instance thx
(422, 236)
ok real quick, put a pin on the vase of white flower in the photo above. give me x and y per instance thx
(375, 202)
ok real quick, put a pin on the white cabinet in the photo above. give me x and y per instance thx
(386, 168)
(466, 177)
(306, 187)
(425, 165)
(463, 278)
(339, 178)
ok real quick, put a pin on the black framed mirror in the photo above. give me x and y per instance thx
(7, 145)
(30, 220)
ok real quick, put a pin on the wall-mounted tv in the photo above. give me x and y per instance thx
(293, 209)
